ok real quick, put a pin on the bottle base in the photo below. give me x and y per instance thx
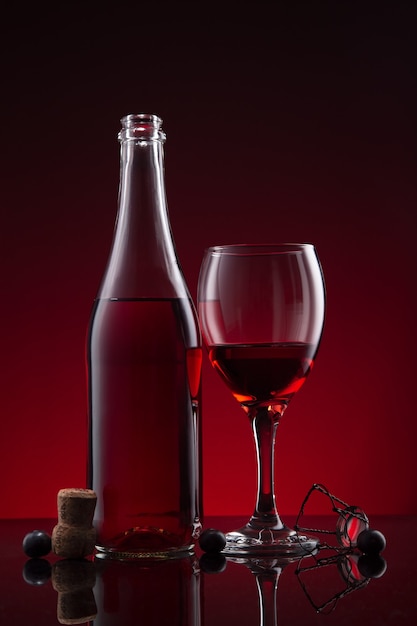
(145, 542)
(104, 553)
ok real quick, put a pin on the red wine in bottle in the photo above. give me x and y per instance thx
(144, 365)
(263, 373)
(142, 387)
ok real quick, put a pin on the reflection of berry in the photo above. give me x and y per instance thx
(371, 541)
(37, 543)
(212, 540)
(213, 563)
(37, 571)
(372, 565)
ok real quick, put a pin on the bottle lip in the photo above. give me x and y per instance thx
(143, 127)
(132, 119)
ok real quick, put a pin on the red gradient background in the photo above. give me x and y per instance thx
(282, 125)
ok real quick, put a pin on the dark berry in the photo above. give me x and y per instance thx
(371, 541)
(37, 571)
(212, 540)
(37, 543)
(212, 563)
(372, 565)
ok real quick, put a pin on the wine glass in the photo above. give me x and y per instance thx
(261, 309)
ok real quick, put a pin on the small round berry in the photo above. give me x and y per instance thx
(37, 571)
(372, 565)
(371, 541)
(212, 540)
(37, 543)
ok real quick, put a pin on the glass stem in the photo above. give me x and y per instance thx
(264, 424)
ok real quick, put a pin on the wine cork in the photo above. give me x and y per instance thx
(71, 542)
(74, 582)
(76, 507)
(74, 536)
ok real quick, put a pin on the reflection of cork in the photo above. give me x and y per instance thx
(74, 536)
(74, 581)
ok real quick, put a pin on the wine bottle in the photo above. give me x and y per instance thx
(143, 369)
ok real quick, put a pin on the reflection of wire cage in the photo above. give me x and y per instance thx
(346, 566)
(350, 523)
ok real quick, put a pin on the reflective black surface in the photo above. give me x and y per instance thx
(325, 589)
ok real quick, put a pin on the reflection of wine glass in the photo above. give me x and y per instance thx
(262, 309)
(267, 573)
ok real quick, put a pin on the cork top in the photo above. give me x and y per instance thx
(76, 492)
(76, 507)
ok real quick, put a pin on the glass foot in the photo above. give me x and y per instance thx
(269, 541)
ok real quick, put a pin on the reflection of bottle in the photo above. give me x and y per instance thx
(144, 363)
(163, 592)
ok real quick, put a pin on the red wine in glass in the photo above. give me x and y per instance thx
(259, 374)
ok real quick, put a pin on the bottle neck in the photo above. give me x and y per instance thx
(142, 221)
(143, 261)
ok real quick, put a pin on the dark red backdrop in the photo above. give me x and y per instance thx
(282, 126)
